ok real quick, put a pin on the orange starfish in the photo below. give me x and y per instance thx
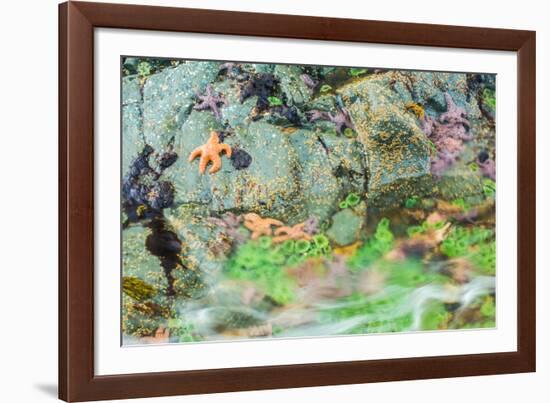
(258, 225)
(210, 152)
(295, 233)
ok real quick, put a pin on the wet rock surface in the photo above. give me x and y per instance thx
(297, 151)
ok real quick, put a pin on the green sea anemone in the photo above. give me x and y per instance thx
(353, 199)
(276, 257)
(488, 98)
(461, 203)
(302, 246)
(274, 101)
(355, 72)
(411, 202)
(287, 247)
(321, 241)
(415, 230)
(325, 88)
(144, 69)
(349, 132)
(375, 247)
(461, 240)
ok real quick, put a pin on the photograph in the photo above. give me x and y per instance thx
(272, 201)
(264, 200)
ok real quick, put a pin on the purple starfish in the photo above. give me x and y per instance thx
(341, 118)
(448, 132)
(317, 115)
(210, 101)
(309, 81)
(454, 114)
(444, 161)
(233, 70)
(311, 225)
(230, 223)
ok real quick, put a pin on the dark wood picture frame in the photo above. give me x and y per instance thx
(77, 381)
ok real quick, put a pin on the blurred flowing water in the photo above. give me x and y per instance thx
(223, 307)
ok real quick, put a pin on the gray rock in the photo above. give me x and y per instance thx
(319, 187)
(131, 90)
(347, 224)
(235, 113)
(132, 129)
(268, 186)
(398, 151)
(132, 135)
(169, 96)
(288, 171)
(202, 246)
(296, 91)
(428, 89)
(460, 182)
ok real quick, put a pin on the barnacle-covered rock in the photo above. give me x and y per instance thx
(290, 177)
(398, 150)
(267, 186)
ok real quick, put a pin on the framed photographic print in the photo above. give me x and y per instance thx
(254, 201)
